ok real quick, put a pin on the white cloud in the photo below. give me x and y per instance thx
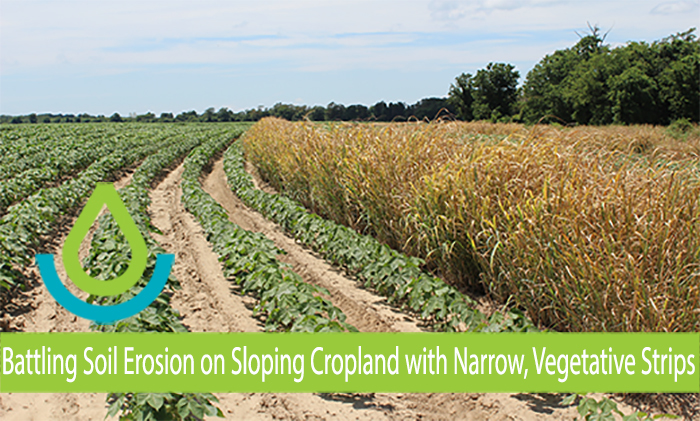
(504, 4)
(106, 35)
(675, 7)
(447, 10)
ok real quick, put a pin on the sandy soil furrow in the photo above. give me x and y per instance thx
(206, 300)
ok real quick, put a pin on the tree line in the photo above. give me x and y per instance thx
(427, 108)
(591, 83)
(588, 83)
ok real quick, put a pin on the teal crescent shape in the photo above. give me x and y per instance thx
(105, 314)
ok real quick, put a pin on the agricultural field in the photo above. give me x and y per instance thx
(301, 227)
(585, 229)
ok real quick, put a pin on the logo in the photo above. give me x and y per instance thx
(104, 194)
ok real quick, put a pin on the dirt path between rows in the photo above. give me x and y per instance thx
(37, 311)
(206, 301)
(369, 313)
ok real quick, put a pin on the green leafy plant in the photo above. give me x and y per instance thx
(109, 257)
(23, 227)
(163, 406)
(57, 160)
(606, 410)
(682, 128)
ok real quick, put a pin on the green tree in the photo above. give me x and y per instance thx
(495, 91)
(431, 108)
(379, 111)
(679, 78)
(185, 116)
(542, 91)
(586, 90)
(224, 114)
(396, 111)
(637, 83)
(567, 86)
(116, 118)
(356, 112)
(460, 95)
(149, 117)
(289, 112)
(490, 94)
(166, 118)
(84, 118)
(209, 115)
(317, 113)
(634, 95)
(335, 112)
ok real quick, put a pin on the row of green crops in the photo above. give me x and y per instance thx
(62, 146)
(250, 259)
(64, 163)
(110, 256)
(389, 273)
(68, 150)
(24, 227)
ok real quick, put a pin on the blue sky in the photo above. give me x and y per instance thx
(102, 57)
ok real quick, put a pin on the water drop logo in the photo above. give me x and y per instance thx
(105, 194)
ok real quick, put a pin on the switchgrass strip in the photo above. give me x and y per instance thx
(386, 271)
(587, 229)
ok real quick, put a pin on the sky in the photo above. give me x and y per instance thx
(102, 57)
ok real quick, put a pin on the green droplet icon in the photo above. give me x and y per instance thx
(104, 194)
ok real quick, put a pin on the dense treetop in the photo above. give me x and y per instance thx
(591, 83)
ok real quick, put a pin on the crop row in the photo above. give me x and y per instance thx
(388, 272)
(250, 260)
(63, 157)
(38, 146)
(108, 258)
(24, 227)
(584, 235)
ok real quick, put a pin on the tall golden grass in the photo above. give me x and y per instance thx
(587, 229)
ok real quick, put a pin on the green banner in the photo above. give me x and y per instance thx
(350, 362)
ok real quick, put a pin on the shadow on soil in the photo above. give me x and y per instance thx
(358, 400)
